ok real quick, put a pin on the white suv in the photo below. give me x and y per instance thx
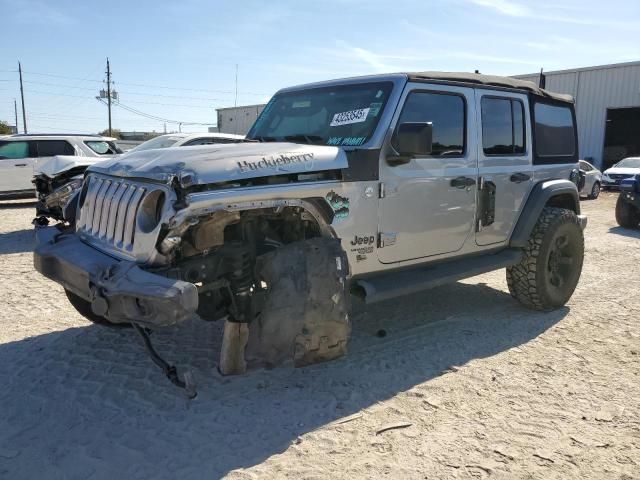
(23, 156)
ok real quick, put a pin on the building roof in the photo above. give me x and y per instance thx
(489, 80)
(582, 69)
(239, 107)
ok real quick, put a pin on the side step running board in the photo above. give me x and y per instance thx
(405, 282)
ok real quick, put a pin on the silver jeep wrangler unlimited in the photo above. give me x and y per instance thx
(376, 186)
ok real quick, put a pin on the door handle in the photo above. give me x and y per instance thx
(519, 177)
(463, 182)
(19, 164)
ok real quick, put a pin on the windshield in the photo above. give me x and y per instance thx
(629, 163)
(158, 142)
(345, 115)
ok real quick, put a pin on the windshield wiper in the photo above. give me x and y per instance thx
(307, 138)
(264, 139)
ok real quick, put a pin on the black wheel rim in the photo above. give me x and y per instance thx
(561, 261)
(595, 191)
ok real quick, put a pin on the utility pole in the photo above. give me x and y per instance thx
(109, 93)
(15, 110)
(24, 114)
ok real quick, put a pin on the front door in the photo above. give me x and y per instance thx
(504, 161)
(16, 166)
(428, 204)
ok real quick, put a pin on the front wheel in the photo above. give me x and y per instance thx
(627, 214)
(305, 317)
(595, 191)
(549, 271)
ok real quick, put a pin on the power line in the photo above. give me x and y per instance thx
(127, 92)
(59, 85)
(232, 92)
(37, 92)
(155, 117)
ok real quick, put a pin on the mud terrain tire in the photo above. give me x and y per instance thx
(84, 308)
(550, 269)
(627, 215)
(305, 317)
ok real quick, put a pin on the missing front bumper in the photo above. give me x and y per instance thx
(118, 290)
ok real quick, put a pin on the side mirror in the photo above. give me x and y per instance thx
(413, 138)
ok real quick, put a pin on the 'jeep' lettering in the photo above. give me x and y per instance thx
(366, 240)
(274, 162)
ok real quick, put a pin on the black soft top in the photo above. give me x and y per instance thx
(490, 80)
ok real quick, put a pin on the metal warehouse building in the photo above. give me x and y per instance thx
(607, 108)
(237, 120)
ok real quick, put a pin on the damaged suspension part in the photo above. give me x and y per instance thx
(242, 281)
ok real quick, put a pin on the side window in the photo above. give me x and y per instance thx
(502, 126)
(14, 150)
(554, 131)
(49, 148)
(101, 147)
(585, 166)
(446, 112)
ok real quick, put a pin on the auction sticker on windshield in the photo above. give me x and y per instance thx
(352, 116)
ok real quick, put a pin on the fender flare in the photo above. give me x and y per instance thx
(540, 196)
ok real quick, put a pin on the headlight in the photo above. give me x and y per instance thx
(150, 211)
(61, 195)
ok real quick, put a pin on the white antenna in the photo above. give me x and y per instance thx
(235, 103)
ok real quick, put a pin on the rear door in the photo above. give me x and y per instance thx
(16, 165)
(428, 204)
(504, 163)
(50, 148)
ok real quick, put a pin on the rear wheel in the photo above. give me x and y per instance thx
(627, 214)
(549, 271)
(84, 308)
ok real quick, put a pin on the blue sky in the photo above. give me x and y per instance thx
(177, 60)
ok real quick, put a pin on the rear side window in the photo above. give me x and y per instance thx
(554, 131)
(585, 166)
(49, 148)
(502, 126)
(102, 148)
(14, 150)
(446, 112)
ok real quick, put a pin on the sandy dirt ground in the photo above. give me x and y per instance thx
(466, 383)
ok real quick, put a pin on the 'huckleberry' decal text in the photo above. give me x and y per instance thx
(275, 162)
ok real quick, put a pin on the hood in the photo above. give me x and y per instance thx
(224, 162)
(622, 171)
(62, 163)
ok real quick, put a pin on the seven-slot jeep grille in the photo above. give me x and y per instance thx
(109, 211)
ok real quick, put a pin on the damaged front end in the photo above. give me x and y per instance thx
(54, 196)
(152, 252)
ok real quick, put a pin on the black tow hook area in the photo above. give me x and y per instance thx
(170, 371)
